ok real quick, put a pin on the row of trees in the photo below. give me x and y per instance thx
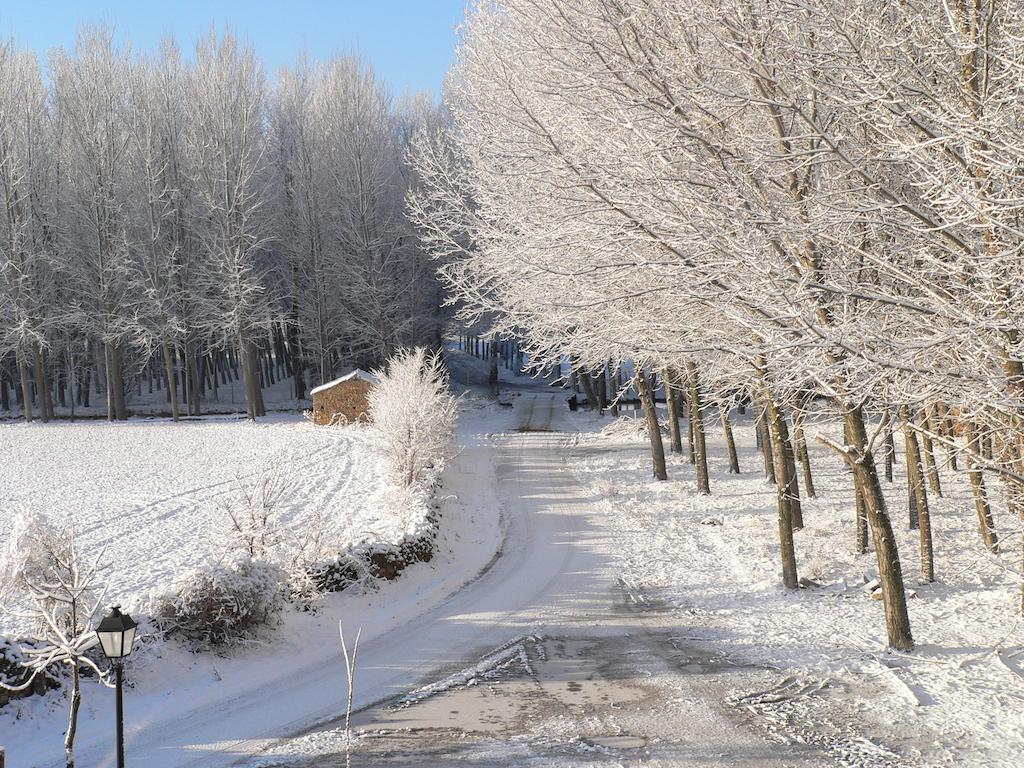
(799, 205)
(182, 216)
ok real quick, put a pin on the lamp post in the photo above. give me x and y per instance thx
(117, 635)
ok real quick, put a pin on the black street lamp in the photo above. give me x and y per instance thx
(117, 635)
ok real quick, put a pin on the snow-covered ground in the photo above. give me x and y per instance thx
(608, 587)
(958, 699)
(148, 491)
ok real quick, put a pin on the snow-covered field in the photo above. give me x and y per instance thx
(150, 492)
(958, 699)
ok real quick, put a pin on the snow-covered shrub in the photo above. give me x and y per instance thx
(414, 413)
(340, 572)
(27, 555)
(251, 514)
(252, 527)
(223, 604)
(15, 672)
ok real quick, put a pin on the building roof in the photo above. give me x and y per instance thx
(356, 374)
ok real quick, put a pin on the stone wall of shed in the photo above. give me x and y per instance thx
(343, 403)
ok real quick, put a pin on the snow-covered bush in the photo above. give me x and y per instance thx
(251, 514)
(340, 572)
(414, 413)
(252, 526)
(223, 604)
(27, 555)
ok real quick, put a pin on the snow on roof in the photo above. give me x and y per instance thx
(356, 374)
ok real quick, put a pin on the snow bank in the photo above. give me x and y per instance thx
(958, 698)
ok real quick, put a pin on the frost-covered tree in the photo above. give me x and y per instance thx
(43, 570)
(27, 311)
(177, 220)
(414, 414)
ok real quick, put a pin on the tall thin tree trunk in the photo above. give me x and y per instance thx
(690, 443)
(653, 428)
(890, 573)
(766, 449)
(613, 386)
(730, 442)
(673, 413)
(783, 496)
(76, 703)
(172, 387)
(946, 423)
(249, 385)
(889, 443)
(43, 384)
(492, 373)
(978, 491)
(930, 467)
(787, 486)
(26, 386)
(916, 486)
(697, 419)
(800, 445)
(117, 379)
(859, 505)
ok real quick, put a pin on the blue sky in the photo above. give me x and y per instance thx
(410, 42)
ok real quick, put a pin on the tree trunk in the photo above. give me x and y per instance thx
(890, 445)
(653, 428)
(766, 450)
(117, 382)
(916, 487)
(978, 491)
(172, 387)
(249, 385)
(930, 468)
(44, 395)
(800, 444)
(613, 387)
(76, 702)
(860, 509)
(26, 387)
(492, 374)
(697, 419)
(691, 447)
(730, 442)
(787, 486)
(588, 390)
(946, 422)
(890, 574)
(673, 413)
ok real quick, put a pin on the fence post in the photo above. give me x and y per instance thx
(1, 757)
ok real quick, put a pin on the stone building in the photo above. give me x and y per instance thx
(343, 400)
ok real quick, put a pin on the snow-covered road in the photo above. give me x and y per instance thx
(555, 588)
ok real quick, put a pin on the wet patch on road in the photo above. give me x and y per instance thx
(555, 701)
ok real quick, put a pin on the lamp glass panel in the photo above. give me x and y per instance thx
(109, 640)
(129, 640)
